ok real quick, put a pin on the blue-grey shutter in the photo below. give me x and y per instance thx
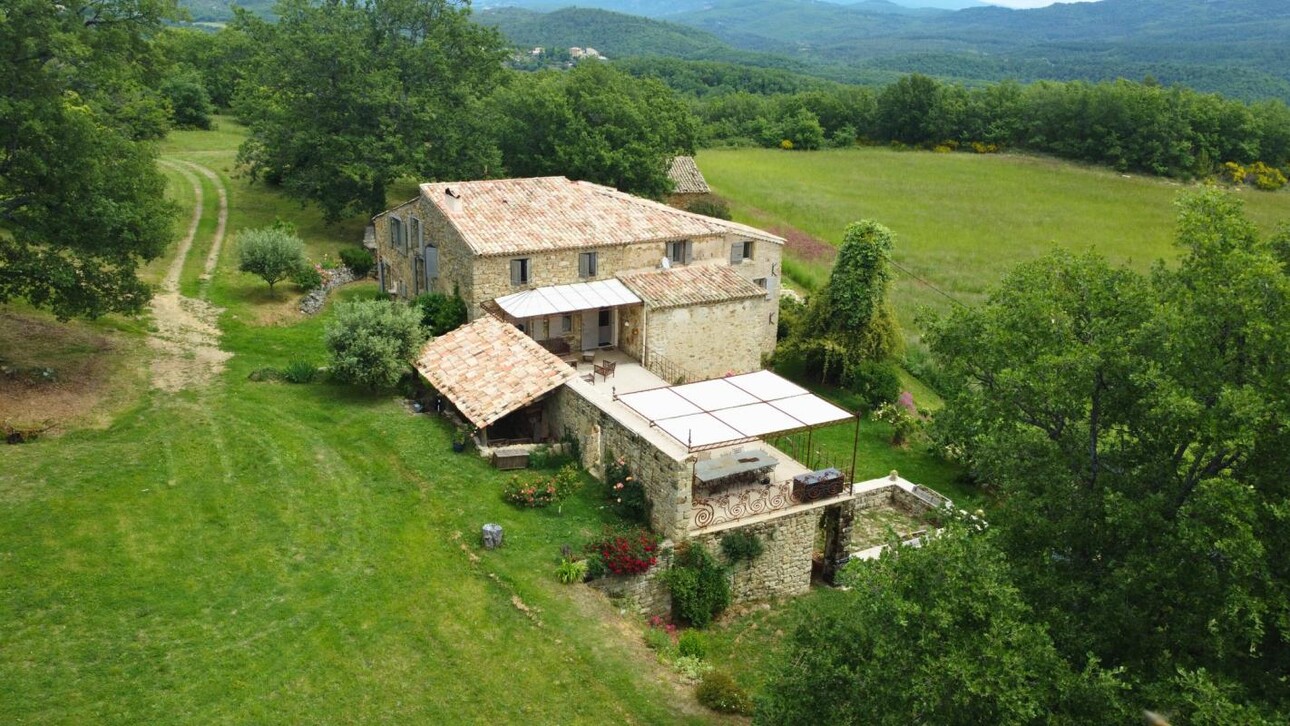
(736, 253)
(432, 264)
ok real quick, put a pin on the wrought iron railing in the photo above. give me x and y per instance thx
(664, 368)
(739, 503)
(814, 458)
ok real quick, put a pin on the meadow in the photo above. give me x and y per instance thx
(263, 552)
(961, 220)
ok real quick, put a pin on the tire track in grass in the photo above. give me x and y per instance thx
(185, 339)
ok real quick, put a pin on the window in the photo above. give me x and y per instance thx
(520, 271)
(764, 284)
(415, 224)
(418, 275)
(398, 236)
(566, 323)
(587, 264)
(679, 252)
(741, 251)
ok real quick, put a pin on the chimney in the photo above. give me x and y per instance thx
(452, 200)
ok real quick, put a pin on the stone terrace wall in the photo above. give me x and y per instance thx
(600, 435)
(644, 595)
(784, 568)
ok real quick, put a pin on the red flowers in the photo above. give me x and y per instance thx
(626, 552)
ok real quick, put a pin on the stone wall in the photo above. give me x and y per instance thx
(644, 595)
(708, 341)
(666, 478)
(455, 269)
(784, 567)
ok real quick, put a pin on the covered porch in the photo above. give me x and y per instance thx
(575, 319)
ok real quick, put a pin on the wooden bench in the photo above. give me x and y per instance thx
(605, 368)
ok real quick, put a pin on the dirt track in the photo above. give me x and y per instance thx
(186, 336)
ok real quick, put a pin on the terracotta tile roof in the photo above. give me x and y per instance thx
(488, 368)
(690, 285)
(686, 177)
(510, 216)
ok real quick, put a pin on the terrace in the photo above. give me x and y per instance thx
(719, 428)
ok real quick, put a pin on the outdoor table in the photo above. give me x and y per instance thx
(737, 468)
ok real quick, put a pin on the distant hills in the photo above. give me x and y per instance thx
(1235, 47)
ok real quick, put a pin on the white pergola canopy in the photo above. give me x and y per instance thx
(560, 299)
(731, 410)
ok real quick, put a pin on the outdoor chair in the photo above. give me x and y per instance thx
(605, 368)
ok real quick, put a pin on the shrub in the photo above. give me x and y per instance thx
(690, 668)
(719, 692)
(625, 493)
(270, 253)
(371, 341)
(875, 382)
(786, 145)
(741, 545)
(625, 551)
(691, 643)
(307, 277)
(536, 493)
(190, 104)
(299, 371)
(700, 590)
(595, 566)
(904, 422)
(358, 260)
(544, 457)
(440, 313)
(658, 640)
(571, 571)
(710, 206)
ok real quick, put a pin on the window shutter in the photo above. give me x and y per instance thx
(432, 262)
(584, 265)
(689, 251)
(736, 253)
(515, 272)
(591, 264)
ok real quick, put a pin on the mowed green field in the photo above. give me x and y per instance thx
(961, 220)
(247, 552)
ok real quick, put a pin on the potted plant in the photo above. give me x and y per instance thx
(460, 438)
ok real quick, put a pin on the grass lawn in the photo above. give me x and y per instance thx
(262, 552)
(961, 220)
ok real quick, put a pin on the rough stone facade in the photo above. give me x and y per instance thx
(666, 478)
(479, 279)
(644, 595)
(784, 567)
(708, 341)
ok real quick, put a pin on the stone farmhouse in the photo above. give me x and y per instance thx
(636, 331)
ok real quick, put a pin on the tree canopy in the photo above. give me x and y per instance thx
(344, 97)
(82, 204)
(594, 123)
(1137, 429)
(936, 634)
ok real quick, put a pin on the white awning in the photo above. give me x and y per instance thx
(559, 299)
(729, 410)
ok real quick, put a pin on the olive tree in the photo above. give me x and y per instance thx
(272, 253)
(372, 341)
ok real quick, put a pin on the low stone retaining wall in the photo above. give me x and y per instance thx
(784, 567)
(644, 595)
(314, 299)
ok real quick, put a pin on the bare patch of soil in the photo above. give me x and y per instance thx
(62, 373)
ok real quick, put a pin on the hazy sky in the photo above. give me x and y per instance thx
(1032, 3)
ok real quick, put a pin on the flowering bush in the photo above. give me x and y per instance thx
(535, 493)
(625, 493)
(903, 421)
(625, 551)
